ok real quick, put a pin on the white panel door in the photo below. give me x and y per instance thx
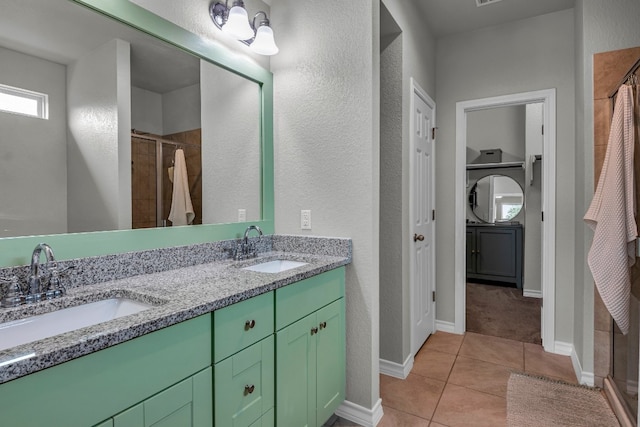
(422, 219)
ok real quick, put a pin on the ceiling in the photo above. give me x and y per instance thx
(446, 17)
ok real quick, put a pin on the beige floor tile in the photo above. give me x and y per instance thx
(496, 350)
(415, 395)
(395, 418)
(480, 376)
(436, 425)
(537, 361)
(444, 342)
(464, 407)
(433, 364)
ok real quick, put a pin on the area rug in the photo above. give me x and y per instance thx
(540, 402)
(503, 312)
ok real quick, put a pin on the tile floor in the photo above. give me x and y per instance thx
(462, 381)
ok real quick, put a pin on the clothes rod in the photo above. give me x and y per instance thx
(631, 71)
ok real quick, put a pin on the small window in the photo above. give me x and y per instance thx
(25, 102)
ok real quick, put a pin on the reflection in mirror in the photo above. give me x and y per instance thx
(496, 198)
(83, 169)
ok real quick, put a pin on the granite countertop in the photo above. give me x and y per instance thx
(177, 295)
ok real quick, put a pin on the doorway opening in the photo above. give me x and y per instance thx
(546, 99)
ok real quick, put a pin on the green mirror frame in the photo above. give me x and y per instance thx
(17, 250)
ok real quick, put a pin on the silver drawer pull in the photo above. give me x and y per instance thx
(314, 330)
(248, 389)
(323, 325)
(249, 324)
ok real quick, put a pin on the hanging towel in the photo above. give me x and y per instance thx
(182, 212)
(612, 215)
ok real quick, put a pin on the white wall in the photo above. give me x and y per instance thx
(146, 111)
(502, 128)
(532, 280)
(327, 153)
(231, 155)
(600, 27)
(411, 55)
(33, 160)
(521, 56)
(181, 110)
(99, 167)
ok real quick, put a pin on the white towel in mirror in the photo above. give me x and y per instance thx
(182, 212)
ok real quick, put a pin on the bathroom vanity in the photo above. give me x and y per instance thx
(494, 252)
(221, 345)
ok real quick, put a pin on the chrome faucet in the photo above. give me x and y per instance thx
(43, 281)
(34, 280)
(244, 249)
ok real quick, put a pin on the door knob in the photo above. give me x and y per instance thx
(417, 237)
(248, 389)
(249, 324)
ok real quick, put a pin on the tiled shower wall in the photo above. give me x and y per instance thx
(608, 69)
(143, 176)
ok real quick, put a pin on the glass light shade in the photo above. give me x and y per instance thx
(264, 44)
(237, 25)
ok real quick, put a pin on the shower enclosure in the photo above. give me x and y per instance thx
(152, 159)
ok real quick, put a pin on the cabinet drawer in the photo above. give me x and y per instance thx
(295, 301)
(240, 325)
(245, 385)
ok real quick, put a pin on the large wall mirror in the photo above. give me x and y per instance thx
(496, 198)
(124, 106)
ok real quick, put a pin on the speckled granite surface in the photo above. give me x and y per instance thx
(181, 283)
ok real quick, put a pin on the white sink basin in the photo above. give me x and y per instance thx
(35, 328)
(277, 266)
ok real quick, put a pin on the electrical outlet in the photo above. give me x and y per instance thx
(305, 219)
(242, 215)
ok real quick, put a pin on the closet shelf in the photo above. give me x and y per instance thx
(474, 166)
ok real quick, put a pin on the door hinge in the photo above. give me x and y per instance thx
(433, 296)
(543, 129)
(433, 133)
(433, 215)
(542, 215)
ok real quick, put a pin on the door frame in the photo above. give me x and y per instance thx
(548, 98)
(416, 89)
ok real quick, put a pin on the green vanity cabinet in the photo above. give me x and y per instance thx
(310, 363)
(244, 356)
(91, 389)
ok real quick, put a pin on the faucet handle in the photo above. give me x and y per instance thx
(56, 288)
(13, 296)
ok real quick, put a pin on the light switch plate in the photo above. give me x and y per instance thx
(242, 215)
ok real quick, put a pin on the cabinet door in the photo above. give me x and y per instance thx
(244, 385)
(496, 252)
(296, 373)
(471, 250)
(331, 354)
(186, 404)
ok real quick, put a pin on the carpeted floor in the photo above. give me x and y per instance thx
(503, 312)
(540, 402)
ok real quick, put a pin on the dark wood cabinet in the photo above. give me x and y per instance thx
(494, 252)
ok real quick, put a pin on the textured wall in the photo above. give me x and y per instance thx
(99, 167)
(181, 110)
(521, 56)
(533, 195)
(33, 151)
(417, 61)
(146, 111)
(327, 151)
(502, 128)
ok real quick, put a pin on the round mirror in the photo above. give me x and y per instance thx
(496, 198)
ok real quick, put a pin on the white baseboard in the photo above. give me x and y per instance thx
(361, 415)
(443, 326)
(567, 349)
(531, 293)
(397, 370)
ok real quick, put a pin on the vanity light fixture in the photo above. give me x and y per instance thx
(235, 22)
